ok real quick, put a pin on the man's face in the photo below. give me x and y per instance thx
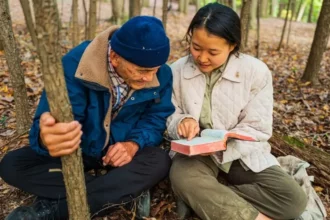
(135, 76)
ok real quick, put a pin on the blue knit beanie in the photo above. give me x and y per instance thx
(142, 41)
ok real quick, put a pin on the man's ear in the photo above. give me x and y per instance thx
(114, 58)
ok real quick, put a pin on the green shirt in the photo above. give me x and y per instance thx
(205, 120)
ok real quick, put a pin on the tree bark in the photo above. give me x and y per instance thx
(258, 28)
(185, 7)
(86, 19)
(1, 45)
(14, 65)
(92, 19)
(145, 3)
(264, 8)
(29, 21)
(293, 13)
(233, 5)
(319, 45)
(164, 18)
(154, 9)
(117, 11)
(134, 8)
(253, 14)
(75, 26)
(284, 26)
(198, 4)
(60, 107)
(245, 11)
(318, 159)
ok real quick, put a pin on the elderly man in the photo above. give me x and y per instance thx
(120, 90)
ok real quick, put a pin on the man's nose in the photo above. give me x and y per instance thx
(148, 77)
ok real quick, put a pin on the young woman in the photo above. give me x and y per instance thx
(216, 87)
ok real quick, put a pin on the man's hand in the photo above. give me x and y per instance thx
(188, 128)
(59, 138)
(120, 154)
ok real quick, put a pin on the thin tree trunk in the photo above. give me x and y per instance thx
(134, 8)
(302, 10)
(185, 7)
(310, 14)
(75, 26)
(14, 65)
(145, 3)
(264, 8)
(198, 4)
(258, 28)
(60, 107)
(299, 7)
(86, 19)
(164, 18)
(253, 14)
(29, 21)
(245, 11)
(117, 11)
(319, 45)
(274, 7)
(284, 26)
(233, 5)
(293, 8)
(154, 9)
(99, 12)
(92, 19)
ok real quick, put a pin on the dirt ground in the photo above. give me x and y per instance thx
(280, 62)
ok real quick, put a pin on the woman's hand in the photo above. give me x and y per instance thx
(188, 128)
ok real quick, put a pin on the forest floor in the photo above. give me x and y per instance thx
(299, 110)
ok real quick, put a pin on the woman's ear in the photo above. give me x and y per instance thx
(232, 47)
(114, 58)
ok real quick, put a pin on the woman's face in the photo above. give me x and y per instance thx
(209, 51)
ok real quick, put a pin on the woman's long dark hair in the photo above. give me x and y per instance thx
(218, 20)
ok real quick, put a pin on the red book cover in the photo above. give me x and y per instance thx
(211, 140)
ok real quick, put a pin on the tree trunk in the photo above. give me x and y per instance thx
(293, 8)
(164, 18)
(284, 27)
(75, 26)
(185, 7)
(310, 14)
(29, 21)
(134, 8)
(59, 103)
(264, 8)
(117, 11)
(198, 4)
(302, 10)
(258, 28)
(233, 5)
(253, 14)
(1, 45)
(181, 5)
(245, 11)
(14, 65)
(154, 9)
(274, 7)
(319, 45)
(92, 19)
(318, 159)
(86, 19)
(145, 3)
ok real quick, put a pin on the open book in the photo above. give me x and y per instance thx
(211, 140)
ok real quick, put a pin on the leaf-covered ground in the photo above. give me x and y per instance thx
(300, 111)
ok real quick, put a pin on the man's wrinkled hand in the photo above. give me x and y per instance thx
(188, 128)
(59, 138)
(120, 154)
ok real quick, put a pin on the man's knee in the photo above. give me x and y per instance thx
(7, 167)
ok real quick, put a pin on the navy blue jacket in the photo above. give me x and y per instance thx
(142, 118)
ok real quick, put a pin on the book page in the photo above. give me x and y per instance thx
(197, 141)
(220, 134)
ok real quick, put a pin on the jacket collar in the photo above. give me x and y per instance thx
(93, 67)
(230, 73)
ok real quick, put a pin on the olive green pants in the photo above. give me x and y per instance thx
(271, 192)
